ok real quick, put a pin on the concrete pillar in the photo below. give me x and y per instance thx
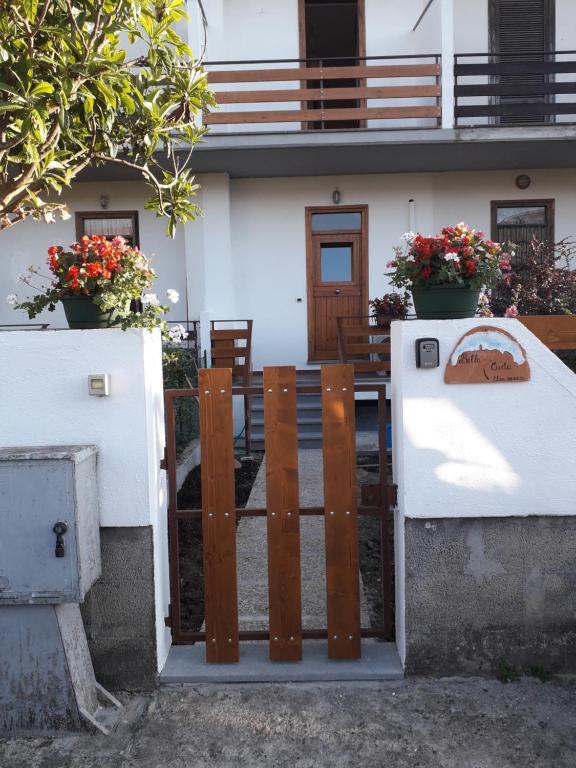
(447, 27)
(219, 295)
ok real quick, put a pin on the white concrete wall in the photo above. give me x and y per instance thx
(44, 401)
(246, 257)
(26, 243)
(478, 450)
(269, 246)
(482, 450)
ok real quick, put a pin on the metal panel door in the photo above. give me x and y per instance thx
(34, 495)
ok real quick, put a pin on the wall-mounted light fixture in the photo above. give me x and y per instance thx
(523, 181)
(336, 197)
(99, 384)
(104, 202)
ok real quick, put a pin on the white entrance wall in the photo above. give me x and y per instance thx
(44, 401)
(478, 450)
(26, 243)
(269, 239)
(246, 256)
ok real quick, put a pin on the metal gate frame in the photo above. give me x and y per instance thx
(219, 514)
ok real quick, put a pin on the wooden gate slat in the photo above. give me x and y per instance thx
(218, 515)
(283, 519)
(341, 518)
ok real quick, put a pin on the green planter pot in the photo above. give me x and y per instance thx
(81, 312)
(445, 302)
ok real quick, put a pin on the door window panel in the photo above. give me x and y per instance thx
(337, 222)
(336, 263)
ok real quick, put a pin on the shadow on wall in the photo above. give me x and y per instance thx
(466, 458)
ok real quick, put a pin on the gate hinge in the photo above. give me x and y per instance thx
(168, 619)
(164, 461)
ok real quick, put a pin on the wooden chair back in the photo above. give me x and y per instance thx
(364, 344)
(232, 348)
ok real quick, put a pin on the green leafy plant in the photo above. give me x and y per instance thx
(506, 673)
(456, 255)
(542, 282)
(180, 369)
(110, 272)
(540, 673)
(71, 95)
(392, 304)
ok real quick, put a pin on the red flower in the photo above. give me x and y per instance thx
(94, 269)
(426, 271)
(53, 250)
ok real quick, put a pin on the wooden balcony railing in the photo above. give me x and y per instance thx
(507, 89)
(327, 94)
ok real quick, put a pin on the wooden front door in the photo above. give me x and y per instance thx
(337, 278)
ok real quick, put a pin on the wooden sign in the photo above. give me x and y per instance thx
(487, 355)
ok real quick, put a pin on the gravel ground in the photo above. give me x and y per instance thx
(422, 723)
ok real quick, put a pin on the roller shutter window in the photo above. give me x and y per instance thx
(525, 30)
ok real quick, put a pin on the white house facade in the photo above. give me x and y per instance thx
(413, 116)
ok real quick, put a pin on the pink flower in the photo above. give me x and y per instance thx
(391, 265)
(512, 311)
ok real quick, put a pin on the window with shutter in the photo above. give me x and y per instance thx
(522, 30)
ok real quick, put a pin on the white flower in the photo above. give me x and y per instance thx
(408, 237)
(177, 332)
(451, 256)
(172, 295)
(65, 214)
(150, 299)
(48, 215)
(12, 299)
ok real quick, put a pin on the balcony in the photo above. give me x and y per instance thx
(302, 95)
(501, 90)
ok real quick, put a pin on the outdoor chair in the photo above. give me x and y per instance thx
(231, 347)
(364, 344)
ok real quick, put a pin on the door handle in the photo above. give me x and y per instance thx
(337, 291)
(60, 529)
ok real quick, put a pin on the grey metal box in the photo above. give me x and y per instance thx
(38, 488)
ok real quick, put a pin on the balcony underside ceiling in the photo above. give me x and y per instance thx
(372, 151)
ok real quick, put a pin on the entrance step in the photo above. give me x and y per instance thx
(187, 664)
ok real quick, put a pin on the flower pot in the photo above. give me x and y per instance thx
(81, 312)
(445, 302)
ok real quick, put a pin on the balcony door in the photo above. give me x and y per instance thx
(523, 31)
(337, 273)
(332, 34)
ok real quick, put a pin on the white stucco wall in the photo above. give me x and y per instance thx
(269, 238)
(44, 401)
(26, 243)
(479, 450)
(246, 256)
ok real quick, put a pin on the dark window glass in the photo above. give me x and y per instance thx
(336, 263)
(108, 225)
(520, 224)
(337, 222)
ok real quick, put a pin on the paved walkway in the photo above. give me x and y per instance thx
(411, 724)
(252, 553)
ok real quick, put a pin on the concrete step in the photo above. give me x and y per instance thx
(305, 425)
(187, 664)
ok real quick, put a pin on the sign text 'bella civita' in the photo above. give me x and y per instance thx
(487, 355)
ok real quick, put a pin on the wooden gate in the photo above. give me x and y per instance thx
(219, 514)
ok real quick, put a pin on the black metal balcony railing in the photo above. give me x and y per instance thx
(513, 89)
(330, 93)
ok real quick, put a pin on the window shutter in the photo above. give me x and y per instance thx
(524, 28)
